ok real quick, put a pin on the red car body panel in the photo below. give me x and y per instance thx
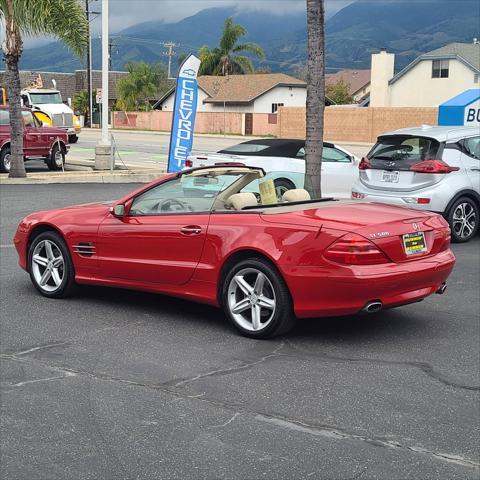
(151, 253)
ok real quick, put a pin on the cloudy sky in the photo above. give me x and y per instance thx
(124, 13)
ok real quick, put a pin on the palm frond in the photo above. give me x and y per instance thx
(242, 64)
(250, 48)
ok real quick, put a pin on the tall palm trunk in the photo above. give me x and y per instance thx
(12, 52)
(315, 96)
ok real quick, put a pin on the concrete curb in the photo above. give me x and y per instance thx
(84, 177)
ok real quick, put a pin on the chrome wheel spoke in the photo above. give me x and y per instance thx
(267, 303)
(256, 317)
(49, 250)
(39, 260)
(56, 277)
(241, 306)
(57, 262)
(245, 287)
(259, 283)
(45, 277)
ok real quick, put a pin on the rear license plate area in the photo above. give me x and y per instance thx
(390, 177)
(414, 243)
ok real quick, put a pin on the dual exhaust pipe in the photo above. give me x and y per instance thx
(376, 305)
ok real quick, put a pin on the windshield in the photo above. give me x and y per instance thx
(400, 152)
(46, 98)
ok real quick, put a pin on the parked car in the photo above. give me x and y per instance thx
(428, 168)
(264, 264)
(39, 141)
(339, 167)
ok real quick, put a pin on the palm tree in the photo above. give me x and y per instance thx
(315, 96)
(81, 104)
(143, 81)
(64, 19)
(223, 60)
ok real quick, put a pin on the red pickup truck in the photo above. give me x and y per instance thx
(39, 141)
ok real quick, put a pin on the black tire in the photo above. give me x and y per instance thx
(72, 138)
(4, 165)
(281, 186)
(56, 160)
(281, 320)
(67, 285)
(463, 219)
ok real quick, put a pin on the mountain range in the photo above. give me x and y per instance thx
(405, 27)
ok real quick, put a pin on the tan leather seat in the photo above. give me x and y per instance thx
(242, 200)
(296, 195)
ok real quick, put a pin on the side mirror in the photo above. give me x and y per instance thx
(118, 210)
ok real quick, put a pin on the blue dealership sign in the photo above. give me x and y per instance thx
(184, 110)
(463, 109)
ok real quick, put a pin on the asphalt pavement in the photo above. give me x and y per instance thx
(116, 384)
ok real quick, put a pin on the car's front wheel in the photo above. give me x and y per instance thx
(50, 266)
(256, 299)
(463, 219)
(56, 159)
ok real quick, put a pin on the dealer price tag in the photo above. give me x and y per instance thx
(414, 243)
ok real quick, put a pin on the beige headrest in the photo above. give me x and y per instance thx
(296, 195)
(242, 200)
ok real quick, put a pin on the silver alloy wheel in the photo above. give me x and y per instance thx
(464, 220)
(251, 299)
(280, 190)
(7, 161)
(48, 265)
(58, 158)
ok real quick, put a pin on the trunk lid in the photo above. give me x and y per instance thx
(384, 225)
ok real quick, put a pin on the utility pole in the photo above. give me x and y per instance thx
(111, 44)
(103, 150)
(170, 53)
(89, 67)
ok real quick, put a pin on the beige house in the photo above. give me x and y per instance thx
(258, 93)
(358, 82)
(429, 80)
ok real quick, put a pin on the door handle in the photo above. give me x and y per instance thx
(475, 169)
(191, 230)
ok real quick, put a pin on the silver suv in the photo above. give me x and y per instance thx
(429, 168)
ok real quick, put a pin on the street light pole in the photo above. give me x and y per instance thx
(103, 150)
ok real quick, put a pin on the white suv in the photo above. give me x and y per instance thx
(429, 168)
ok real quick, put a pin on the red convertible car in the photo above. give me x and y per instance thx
(214, 235)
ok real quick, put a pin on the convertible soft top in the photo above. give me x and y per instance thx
(277, 147)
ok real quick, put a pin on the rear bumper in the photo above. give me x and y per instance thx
(324, 291)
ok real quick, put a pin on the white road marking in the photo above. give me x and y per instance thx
(8, 245)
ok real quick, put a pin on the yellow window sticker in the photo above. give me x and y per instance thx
(267, 192)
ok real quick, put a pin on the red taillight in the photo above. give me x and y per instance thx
(433, 166)
(188, 163)
(364, 164)
(353, 249)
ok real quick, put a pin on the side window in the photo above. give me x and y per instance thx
(333, 155)
(301, 153)
(472, 147)
(28, 119)
(4, 117)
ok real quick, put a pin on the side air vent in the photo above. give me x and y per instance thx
(84, 249)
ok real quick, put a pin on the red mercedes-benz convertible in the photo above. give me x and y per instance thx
(219, 235)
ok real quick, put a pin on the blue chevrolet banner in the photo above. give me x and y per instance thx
(184, 110)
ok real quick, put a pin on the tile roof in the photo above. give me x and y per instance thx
(355, 79)
(243, 88)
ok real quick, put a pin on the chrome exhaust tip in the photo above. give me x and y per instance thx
(442, 289)
(372, 307)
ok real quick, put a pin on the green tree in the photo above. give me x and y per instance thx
(315, 96)
(224, 59)
(339, 92)
(81, 103)
(64, 19)
(142, 82)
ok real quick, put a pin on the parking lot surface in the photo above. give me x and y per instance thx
(115, 384)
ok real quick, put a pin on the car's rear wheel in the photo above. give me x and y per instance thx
(5, 160)
(463, 219)
(50, 266)
(256, 299)
(56, 160)
(282, 185)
